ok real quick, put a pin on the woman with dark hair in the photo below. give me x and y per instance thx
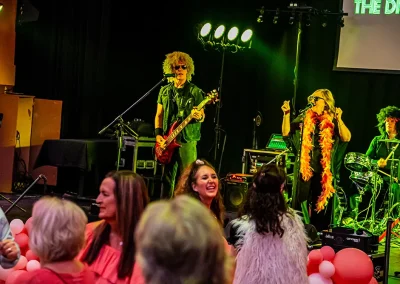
(110, 243)
(200, 181)
(271, 241)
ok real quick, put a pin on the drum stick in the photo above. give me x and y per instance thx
(386, 174)
(391, 153)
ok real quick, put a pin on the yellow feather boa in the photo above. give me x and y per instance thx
(326, 133)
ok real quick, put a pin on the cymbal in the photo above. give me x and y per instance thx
(390, 140)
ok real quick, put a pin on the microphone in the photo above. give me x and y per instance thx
(308, 106)
(169, 75)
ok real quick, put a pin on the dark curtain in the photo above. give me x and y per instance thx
(99, 57)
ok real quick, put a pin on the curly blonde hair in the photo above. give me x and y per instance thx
(329, 100)
(173, 58)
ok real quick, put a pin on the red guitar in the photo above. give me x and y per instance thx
(164, 155)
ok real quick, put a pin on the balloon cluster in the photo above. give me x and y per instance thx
(28, 261)
(348, 266)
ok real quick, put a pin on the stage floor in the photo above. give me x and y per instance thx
(28, 201)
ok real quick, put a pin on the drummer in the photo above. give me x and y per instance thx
(380, 147)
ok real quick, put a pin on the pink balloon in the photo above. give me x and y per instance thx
(11, 279)
(32, 265)
(328, 253)
(16, 226)
(22, 240)
(317, 278)
(352, 266)
(5, 272)
(315, 256)
(21, 264)
(28, 225)
(30, 255)
(326, 269)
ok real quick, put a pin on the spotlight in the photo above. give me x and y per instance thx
(205, 30)
(233, 33)
(260, 18)
(324, 21)
(292, 17)
(308, 20)
(276, 17)
(1, 6)
(246, 36)
(219, 32)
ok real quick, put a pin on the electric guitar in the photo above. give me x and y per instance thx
(164, 155)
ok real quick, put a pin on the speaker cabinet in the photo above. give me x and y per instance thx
(234, 194)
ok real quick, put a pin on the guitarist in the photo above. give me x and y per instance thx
(176, 101)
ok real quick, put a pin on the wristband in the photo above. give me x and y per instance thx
(286, 112)
(158, 131)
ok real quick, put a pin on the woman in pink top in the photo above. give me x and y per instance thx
(110, 245)
(56, 237)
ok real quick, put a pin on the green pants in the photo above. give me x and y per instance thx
(183, 157)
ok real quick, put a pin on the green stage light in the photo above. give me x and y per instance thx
(246, 35)
(205, 30)
(233, 33)
(219, 32)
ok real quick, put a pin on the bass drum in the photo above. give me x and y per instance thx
(366, 178)
(357, 162)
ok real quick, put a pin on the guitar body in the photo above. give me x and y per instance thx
(164, 156)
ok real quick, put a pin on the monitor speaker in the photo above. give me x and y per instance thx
(234, 194)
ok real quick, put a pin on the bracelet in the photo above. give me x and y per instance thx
(286, 112)
(158, 131)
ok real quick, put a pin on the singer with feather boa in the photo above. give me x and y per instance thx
(318, 137)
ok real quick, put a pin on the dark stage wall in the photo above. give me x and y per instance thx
(101, 56)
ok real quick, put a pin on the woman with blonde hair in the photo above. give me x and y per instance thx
(318, 138)
(110, 243)
(179, 241)
(56, 237)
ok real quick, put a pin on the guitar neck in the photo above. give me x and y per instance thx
(183, 124)
(179, 129)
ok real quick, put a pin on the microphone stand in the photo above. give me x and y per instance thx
(25, 192)
(124, 128)
(278, 156)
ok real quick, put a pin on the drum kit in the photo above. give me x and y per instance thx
(365, 174)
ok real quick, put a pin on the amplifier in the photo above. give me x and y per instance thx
(340, 238)
(239, 178)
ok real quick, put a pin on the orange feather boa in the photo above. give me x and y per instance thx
(326, 128)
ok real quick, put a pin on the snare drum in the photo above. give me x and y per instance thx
(357, 162)
(366, 178)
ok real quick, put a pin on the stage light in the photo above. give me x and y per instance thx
(276, 17)
(1, 7)
(205, 30)
(260, 18)
(233, 33)
(292, 17)
(246, 35)
(219, 32)
(308, 20)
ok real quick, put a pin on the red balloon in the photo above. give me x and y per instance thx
(312, 268)
(28, 225)
(22, 240)
(373, 281)
(315, 256)
(327, 253)
(352, 266)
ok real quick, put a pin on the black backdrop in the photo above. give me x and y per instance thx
(99, 56)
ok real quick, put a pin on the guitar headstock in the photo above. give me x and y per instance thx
(212, 96)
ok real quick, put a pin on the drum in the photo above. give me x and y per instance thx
(357, 162)
(366, 178)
